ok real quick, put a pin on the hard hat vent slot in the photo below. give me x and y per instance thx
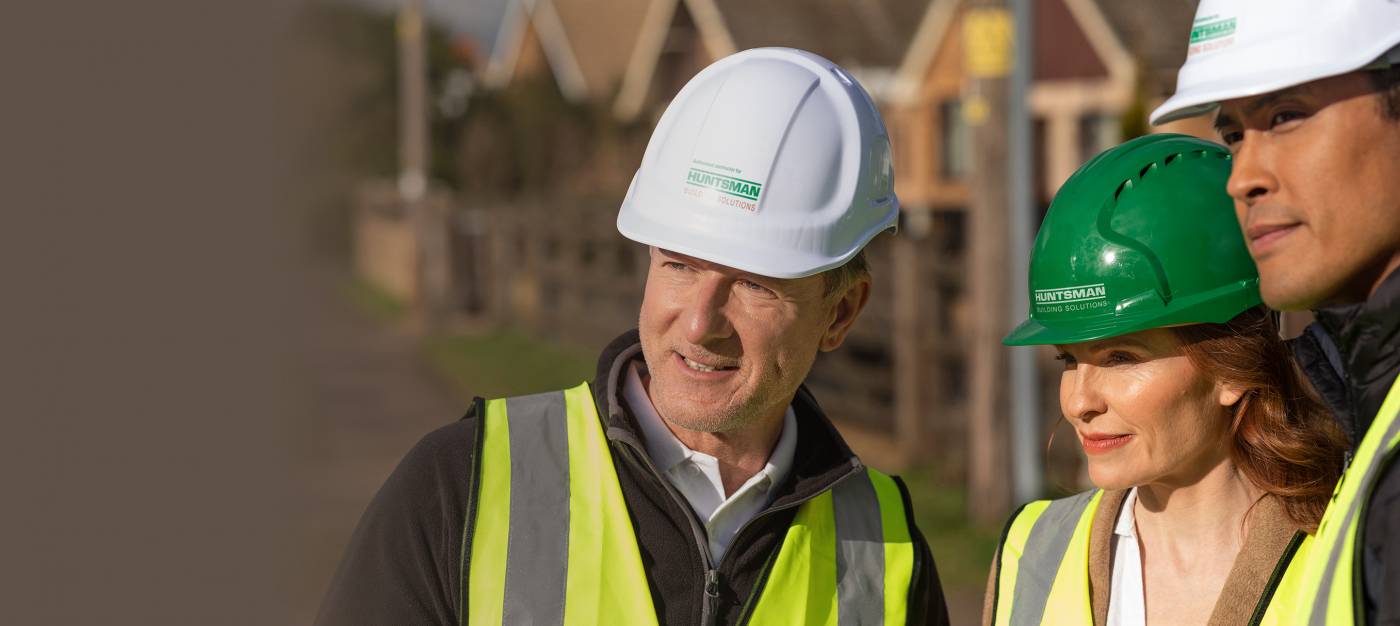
(1171, 158)
(1142, 173)
(1127, 184)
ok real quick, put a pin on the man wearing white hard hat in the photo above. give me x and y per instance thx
(1307, 96)
(694, 480)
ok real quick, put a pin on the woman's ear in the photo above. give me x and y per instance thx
(1229, 395)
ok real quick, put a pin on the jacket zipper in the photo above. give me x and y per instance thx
(701, 537)
(702, 541)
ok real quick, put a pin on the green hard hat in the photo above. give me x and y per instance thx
(1142, 236)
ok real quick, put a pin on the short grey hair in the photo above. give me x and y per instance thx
(838, 279)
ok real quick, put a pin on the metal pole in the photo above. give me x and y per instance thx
(428, 216)
(1026, 456)
(988, 38)
(413, 109)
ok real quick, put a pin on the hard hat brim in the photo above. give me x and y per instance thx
(1205, 97)
(731, 253)
(1213, 307)
(1033, 333)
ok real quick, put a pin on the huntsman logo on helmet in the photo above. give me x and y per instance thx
(1142, 236)
(773, 161)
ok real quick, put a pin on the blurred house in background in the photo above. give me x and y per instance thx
(573, 87)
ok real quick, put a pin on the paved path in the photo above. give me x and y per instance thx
(371, 397)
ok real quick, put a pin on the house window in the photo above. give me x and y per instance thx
(955, 147)
(1097, 132)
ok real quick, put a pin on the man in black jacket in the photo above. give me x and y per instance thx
(1316, 183)
(740, 503)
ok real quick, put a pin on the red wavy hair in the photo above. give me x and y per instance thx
(1285, 441)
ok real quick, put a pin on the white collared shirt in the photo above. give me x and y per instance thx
(1126, 605)
(696, 474)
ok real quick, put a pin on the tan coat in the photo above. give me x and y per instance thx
(1270, 533)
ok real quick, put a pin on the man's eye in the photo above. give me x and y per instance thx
(1284, 117)
(754, 287)
(674, 265)
(1066, 358)
(1231, 137)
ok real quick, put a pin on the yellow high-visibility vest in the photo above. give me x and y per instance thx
(1043, 568)
(551, 541)
(1330, 590)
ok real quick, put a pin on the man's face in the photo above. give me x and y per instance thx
(1316, 183)
(725, 348)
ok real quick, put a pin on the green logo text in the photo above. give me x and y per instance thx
(722, 183)
(1213, 30)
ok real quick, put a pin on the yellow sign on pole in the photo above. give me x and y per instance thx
(988, 37)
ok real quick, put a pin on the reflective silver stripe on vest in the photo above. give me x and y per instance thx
(538, 549)
(860, 552)
(1324, 589)
(1045, 549)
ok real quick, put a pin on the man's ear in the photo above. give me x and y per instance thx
(844, 313)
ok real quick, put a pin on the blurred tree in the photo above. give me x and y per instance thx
(364, 133)
(526, 139)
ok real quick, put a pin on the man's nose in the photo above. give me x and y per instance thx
(706, 318)
(1251, 175)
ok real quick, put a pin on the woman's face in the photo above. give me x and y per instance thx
(1142, 411)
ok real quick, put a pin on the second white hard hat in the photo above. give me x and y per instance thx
(1241, 48)
(773, 161)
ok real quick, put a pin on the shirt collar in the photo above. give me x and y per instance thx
(666, 451)
(1127, 523)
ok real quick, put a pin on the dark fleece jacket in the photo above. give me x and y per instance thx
(404, 561)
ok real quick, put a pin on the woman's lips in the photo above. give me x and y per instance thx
(1099, 444)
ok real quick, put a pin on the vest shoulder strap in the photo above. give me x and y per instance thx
(846, 559)
(552, 542)
(1329, 582)
(1043, 557)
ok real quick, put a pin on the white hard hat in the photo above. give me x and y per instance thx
(1241, 48)
(772, 161)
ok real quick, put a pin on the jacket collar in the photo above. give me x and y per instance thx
(822, 455)
(1366, 335)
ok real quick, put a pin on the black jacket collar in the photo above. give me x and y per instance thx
(1368, 338)
(822, 455)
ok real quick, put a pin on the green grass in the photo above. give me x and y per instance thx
(963, 551)
(374, 301)
(506, 363)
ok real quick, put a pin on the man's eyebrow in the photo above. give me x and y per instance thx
(1268, 100)
(1223, 120)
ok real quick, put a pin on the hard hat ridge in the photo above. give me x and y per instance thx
(772, 160)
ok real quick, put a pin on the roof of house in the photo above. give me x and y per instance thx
(852, 33)
(602, 35)
(587, 43)
(1075, 39)
(1155, 33)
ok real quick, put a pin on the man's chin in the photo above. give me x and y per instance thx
(699, 418)
(1286, 289)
